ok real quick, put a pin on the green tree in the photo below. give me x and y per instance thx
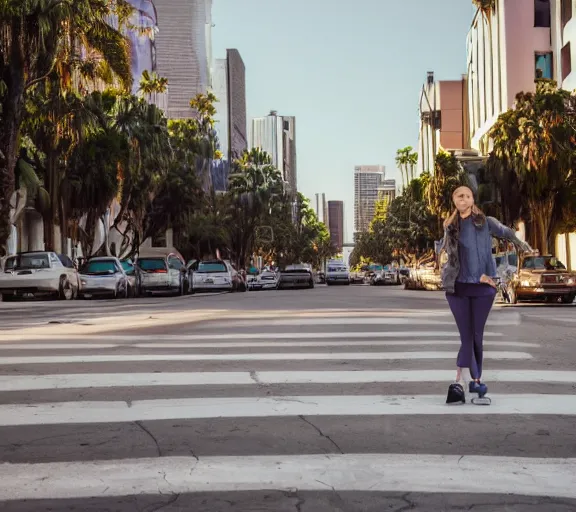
(535, 142)
(36, 36)
(406, 160)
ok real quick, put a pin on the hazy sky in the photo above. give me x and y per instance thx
(351, 75)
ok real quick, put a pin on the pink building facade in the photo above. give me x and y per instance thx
(564, 42)
(505, 55)
(443, 119)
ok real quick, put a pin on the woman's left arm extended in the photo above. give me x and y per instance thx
(499, 230)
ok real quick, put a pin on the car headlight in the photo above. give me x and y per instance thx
(570, 280)
(82, 281)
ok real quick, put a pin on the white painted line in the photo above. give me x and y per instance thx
(360, 320)
(110, 380)
(246, 336)
(385, 472)
(218, 345)
(278, 356)
(368, 376)
(58, 413)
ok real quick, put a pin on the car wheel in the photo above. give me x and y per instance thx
(568, 299)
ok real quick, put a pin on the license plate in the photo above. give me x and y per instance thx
(209, 281)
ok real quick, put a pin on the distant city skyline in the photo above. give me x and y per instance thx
(351, 104)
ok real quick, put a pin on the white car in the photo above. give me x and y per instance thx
(266, 280)
(104, 276)
(162, 274)
(337, 274)
(40, 273)
(216, 275)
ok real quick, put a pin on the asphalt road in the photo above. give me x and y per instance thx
(319, 400)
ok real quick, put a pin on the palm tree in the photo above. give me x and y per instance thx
(406, 159)
(38, 38)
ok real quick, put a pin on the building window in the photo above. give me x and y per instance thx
(566, 59)
(543, 65)
(542, 13)
(566, 11)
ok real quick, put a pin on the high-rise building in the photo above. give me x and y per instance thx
(505, 54)
(277, 136)
(229, 87)
(387, 191)
(564, 38)
(321, 208)
(183, 51)
(336, 223)
(367, 180)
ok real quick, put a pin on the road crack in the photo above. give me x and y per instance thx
(144, 429)
(334, 443)
(410, 505)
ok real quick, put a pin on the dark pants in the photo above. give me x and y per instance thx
(471, 305)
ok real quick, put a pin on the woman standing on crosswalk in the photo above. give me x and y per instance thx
(468, 279)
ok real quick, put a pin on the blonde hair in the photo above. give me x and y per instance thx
(477, 213)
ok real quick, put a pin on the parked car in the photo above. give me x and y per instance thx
(388, 275)
(296, 276)
(216, 275)
(104, 276)
(134, 277)
(266, 280)
(541, 278)
(40, 273)
(162, 274)
(337, 274)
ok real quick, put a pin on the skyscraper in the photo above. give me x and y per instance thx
(321, 208)
(277, 136)
(230, 89)
(387, 191)
(336, 223)
(367, 180)
(183, 51)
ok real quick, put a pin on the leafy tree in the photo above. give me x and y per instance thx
(535, 145)
(37, 37)
(407, 160)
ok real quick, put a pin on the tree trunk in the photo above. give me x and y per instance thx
(11, 118)
(541, 215)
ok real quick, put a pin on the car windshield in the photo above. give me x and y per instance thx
(127, 266)
(210, 267)
(543, 263)
(32, 261)
(152, 264)
(99, 268)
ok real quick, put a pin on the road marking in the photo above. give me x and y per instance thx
(356, 320)
(375, 343)
(59, 413)
(110, 380)
(244, 336)
(325, 472)
(277, 356)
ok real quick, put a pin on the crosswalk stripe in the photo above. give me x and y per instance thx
(362, 343)
(347, 472)
(109, 380)
(248, 336)
(273, 356)
(360, 320)
(258, 407)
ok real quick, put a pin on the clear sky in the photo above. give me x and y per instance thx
(349, 70)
